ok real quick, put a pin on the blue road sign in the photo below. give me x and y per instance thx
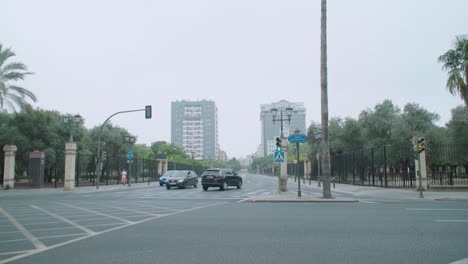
(297, 138)
(279, 156)
(129, 155)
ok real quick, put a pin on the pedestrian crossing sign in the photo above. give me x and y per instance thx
(279, 156)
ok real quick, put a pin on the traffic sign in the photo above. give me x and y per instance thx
(279, 156)
(129, 155)
(297, 138)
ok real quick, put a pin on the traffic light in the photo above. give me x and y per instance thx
(104, 155)
(148, 112)
(421, 144)
(278, 144)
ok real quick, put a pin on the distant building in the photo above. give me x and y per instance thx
(272, 130)
(194, 127)
(222, 155)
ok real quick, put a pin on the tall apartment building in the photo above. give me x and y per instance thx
(272, 130)
(194, 127)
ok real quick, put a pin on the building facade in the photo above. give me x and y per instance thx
(270, 130)
(194, 127)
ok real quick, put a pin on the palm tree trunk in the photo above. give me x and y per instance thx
(325, 149)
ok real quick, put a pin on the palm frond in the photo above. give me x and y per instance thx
(13, 66)
(24, 92)
(5, 54)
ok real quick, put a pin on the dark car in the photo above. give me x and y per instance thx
(221, 178)
(163, 178)
(182, 179)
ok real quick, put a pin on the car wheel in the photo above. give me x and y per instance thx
(239, 185)
(168, 187)
(205, 188)
(224, 186)
(161, 184)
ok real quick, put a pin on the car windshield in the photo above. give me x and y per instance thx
(183, 173)
(169, 173)
(211, 172)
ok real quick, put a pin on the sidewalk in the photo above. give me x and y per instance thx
(355, 193)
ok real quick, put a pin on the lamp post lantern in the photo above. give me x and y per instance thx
(72, 124)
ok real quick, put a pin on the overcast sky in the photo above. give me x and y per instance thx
(97, 57)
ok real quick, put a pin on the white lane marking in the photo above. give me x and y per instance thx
(34, 240)
(44, 223)
(98, 213)
(365, 201)
(452, 221)
(435, 209)
(130, 210)
(64, 220)
(88, 236)
(159, 207)
(67, 235)
(243, 200)
(55, 228)
(9, 232)
(461, 261)
(14, 252)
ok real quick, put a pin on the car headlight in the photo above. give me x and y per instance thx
(181, 180)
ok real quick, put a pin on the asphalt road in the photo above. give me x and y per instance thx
(155, 225)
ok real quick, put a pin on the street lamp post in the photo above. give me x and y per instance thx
(193, 161)
(67, 120)
(318, 137)
(283, 179)
(173, 156)
(130, 140)
(274, 112)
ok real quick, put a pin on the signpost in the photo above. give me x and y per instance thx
(297, 138)
(279, 156)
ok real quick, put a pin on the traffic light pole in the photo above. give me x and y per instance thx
(147, 110)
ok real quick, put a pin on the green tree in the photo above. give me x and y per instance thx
(458, 125)
(456, 63)
(10, 94)
(379, 123)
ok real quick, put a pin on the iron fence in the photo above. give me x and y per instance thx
(447, 164)
(386, 166)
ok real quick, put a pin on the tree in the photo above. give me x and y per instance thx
(458, 125)
(456, 63)
(12, 95)
(325, 149)
(379, 123)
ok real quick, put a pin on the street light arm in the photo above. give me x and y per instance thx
(99, 137)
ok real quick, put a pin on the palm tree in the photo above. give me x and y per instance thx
(325, 147)
(456, 63)
(12, 95)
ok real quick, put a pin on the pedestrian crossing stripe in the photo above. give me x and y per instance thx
(279, 156)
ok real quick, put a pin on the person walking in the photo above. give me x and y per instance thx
(123, 178)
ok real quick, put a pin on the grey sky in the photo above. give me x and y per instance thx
(99, 57)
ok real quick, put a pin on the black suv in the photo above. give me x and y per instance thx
(221, 178)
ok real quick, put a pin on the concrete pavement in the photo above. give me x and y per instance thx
(355, 193)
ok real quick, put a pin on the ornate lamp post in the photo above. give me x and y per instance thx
(274, 112)
(283, 179)
(130, 140)
(68, 120)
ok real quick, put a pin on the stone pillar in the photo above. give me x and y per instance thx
(166, 163)
(160, 169)
(70, 163)
(283, 178)
(306, 168)
(422, 156)
(9, 167)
